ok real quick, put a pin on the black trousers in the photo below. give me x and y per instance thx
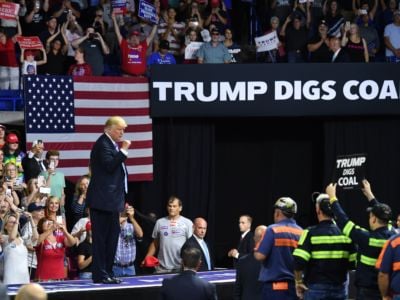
(105, 234)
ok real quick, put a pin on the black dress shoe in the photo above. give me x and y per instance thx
(117, 280)
(108, 280)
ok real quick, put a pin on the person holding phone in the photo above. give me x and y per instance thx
(50, 250)
(106, 196)
(55, 180)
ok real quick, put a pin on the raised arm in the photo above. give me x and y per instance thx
(116, 28)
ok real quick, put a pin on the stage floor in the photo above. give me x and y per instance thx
(145, 287)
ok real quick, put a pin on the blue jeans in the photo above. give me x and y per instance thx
(325, 292)
(85, 275)
(124, 271)
(368, 294)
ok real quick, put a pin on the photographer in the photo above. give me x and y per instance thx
(126, 249)
(95, 48)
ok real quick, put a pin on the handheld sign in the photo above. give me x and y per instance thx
(29, 42)
(8, 10)
(119, 6)
(147, 11)
(267, 42)
(191, 50)
(350, 170)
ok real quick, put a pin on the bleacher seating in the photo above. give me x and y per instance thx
(11, 100)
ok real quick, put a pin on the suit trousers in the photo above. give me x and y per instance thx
(105, 234)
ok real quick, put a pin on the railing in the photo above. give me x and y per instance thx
(11, 100)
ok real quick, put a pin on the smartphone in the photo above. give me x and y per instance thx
(8, 192)
(51, 165)
(41, 181)
(59, 220)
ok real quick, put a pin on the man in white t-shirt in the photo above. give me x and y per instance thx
(169, 235)
(392, 39)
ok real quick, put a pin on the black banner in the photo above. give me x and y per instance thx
(275, 90)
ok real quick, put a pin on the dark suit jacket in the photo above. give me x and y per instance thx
(187, 285)
(193, 243)
(106, 189)
(342, 57)
(247, 286)
(246, 245)
(31, 168)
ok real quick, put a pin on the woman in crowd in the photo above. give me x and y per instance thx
(191, 37)
(50, 249)
(15, 252)
(85, 254)
(30, 235)
(52, 210)
(80, 68)
(355, 46)
(78, 205)
(333, 17)
(234, 49)
(11, 181)
(31, 192)
(9, 67)
(56, 50)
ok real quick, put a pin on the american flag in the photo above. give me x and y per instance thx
(69, 114)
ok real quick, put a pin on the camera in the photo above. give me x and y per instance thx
(92, 35)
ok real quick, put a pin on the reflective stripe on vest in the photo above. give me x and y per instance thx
(330, 254)
(302, 253)
(369, 261)
(317, 240)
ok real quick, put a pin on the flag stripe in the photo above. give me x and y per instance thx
(107, 103)
(70, 163)
(88, 146)
(102, 94)
(85, 137)
(95, 99)
(116, 111)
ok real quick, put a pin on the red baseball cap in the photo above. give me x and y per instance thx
(12, 138)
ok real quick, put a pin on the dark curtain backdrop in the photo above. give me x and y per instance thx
(222, 168)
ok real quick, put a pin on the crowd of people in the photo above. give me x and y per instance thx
(84, 38)
(279, 261)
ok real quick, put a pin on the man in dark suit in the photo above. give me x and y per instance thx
(187, 285)
(247, 286)
(246, 242)
(106, 196)
(197, 241)
(339, 54)
(32, 163)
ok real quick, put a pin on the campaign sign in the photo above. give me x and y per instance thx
(350, 171)
(29, 42)
(119, 6)
(267, 42)
(147, 11)
(191, 50)
(8, 10)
